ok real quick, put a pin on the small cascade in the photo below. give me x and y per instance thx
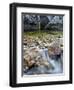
(54, 63)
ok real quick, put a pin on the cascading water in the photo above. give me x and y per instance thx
(56, 64)
(42, 69)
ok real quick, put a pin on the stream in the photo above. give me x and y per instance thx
(55, 62)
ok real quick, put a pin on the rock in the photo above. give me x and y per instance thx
(37, 43)
(54, 50)
(28, 61)
(38, 52)
(25, 43)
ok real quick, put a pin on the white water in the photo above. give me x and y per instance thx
(56, 64)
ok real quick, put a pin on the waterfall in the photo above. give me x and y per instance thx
(45, 55)
(54, 63)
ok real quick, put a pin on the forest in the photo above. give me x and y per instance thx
(35, 22)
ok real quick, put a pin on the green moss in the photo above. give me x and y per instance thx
(41, 34)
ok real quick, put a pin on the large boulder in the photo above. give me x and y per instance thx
(55, 47)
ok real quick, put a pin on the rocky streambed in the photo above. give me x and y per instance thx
(42, 55)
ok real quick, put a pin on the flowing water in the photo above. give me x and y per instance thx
(56, 65)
